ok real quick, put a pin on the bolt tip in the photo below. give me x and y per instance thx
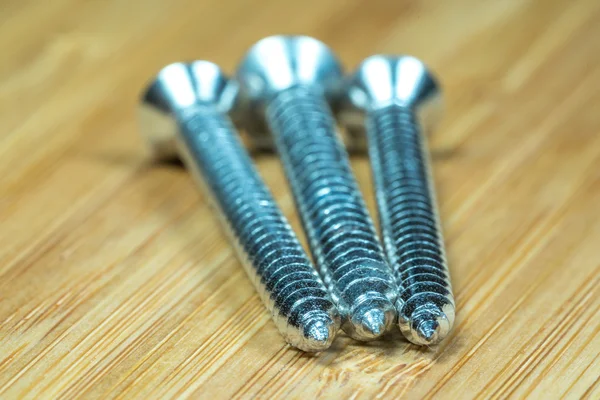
(373, 322)
(428, 330)
(319, 334)
(428, 327)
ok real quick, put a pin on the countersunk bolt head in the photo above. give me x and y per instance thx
(384, 79)
(277, 63)
(176, 87)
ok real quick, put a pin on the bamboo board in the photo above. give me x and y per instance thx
(116, 282)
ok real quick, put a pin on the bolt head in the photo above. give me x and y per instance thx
(175, 88)
(381, 80)
(277, 63)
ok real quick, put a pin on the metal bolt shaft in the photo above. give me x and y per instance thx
(405, 194)
(334, 215)
(410, 223)
(340, 232)
(274, 259)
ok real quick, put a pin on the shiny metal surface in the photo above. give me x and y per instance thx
(190, 101)
(392, 91)
(286, 82)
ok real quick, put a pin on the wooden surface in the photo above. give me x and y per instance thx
(116, 281)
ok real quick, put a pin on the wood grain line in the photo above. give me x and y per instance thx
(557, 331)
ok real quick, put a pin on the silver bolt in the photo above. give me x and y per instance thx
(395, 93)
(187, 104)
(286, 83)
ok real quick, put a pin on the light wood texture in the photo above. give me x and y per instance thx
(116, 281)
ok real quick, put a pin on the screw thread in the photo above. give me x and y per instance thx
(289, 286)
(340, 232)
(410, 223)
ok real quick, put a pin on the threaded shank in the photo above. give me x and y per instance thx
(272, 256)
(410, 223)
(340, 232)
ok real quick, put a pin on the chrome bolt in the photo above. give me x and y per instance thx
(187, 105)
(285, 84)
(395, 93)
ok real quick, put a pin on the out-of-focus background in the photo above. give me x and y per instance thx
(117, 282)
